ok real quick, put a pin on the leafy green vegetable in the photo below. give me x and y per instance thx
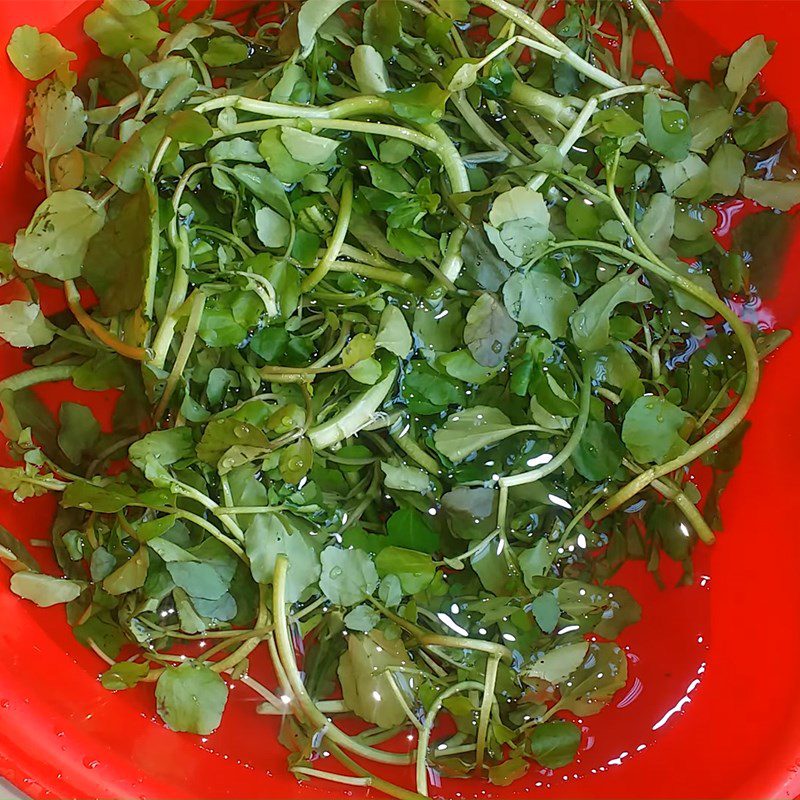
(191, 698)
(411, 337)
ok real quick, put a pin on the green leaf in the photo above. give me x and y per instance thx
(130, 575)
(560, 662)
(124, 675)
(684, 179)
(393, 333)
(362, 618)
(78, 432)
(651, 428)
(766, 128)
(58, 235)
(382, 27)
(313, 14)
(109, 499)
(489, 331)
(191, 698)
(189, 127)
(546, 612)
(120, 26)
(308, 148)
(780, 195)
(285, 168)
(508, 771)
(465, 432)
(461, 365)
(482, 263)
(470, 511)
(746, 63)
(658, 223)
(666, 127)
(428, 392)
(198, 580)
(266, 538)
(554, 744)
(590, 687)
(44, 590)
(422, 104)
(710, 119)
(519, 203)
(36, 54)
(408, 528)
(405, 478)
(160, 449)
(118, 256)
(415, 570)
(536, 561)
(599, 452)
(726, 170)
(538, 298)
(371, 74)
(590, 323)
(272, 229)
(348, 576)
(365, 686)
(222, 51)
(22, 324)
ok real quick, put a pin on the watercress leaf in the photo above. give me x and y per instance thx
(590, 322)
(421, 104)
(272, 229)
(36, 54)
(726, 170)
(536, 561)
(539, 298)
(666, 127)
(307, 148)
(348, 576)
(129, 576)
(198, 579)
(44, 590)
(427, 392)
(461, 365)
(120, 26)
(508, 771)
(312, 16)
(365, 686)
(519, 203)
(599, 452)
(369, 70)
(658, 223)
(362, 618)
(189, 127)
(546, 612)
(124, 675)
(559, 663)
(191, 698)
(159, 74)
(481, 261)
(465, 432)
(746, 63)
(405, 478)
(767, 127)
(58, 235)
(222, 51)
(780, 195)
(684, 179)
(393, 333)
(266, 538)
(236, 149)
(710, 119)
(22, 324)
(592, 685)
(408, 528)
(285, 168)
(651, 428)
(382, 26)
(118, 256)
(489, 331)
(470, 510)
(415, 570)
(554, 744)
(78, 431)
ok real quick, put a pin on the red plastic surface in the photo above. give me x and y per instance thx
(712, 708)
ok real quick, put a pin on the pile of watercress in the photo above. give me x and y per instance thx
(417, 320)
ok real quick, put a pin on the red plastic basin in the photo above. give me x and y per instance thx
(712, 709)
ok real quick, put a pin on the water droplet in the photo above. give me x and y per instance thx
(497, 346)
(336, 572)
(91, 764)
